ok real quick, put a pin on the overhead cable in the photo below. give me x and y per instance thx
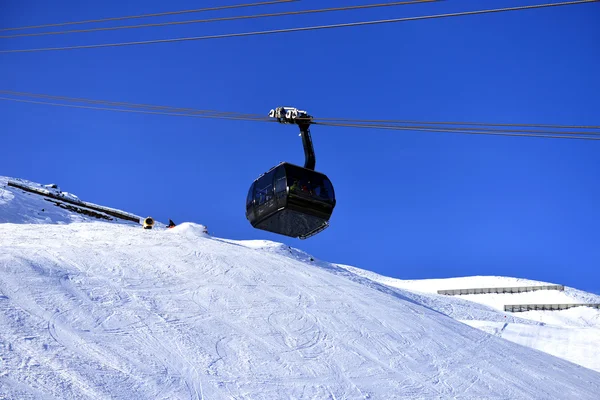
(549, 135)
(126, 104)
(322, 121)
(221, 19)
(480, 128)
(122, 110)
(301, 29)
(391, 121)
(161, 14)
(258, 118)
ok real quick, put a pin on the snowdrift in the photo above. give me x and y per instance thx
(92, 309)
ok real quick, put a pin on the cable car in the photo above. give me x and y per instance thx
(289, 199)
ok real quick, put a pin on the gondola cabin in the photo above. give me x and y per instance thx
(290, 200)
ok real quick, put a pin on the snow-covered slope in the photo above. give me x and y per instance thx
(101, 310)
(21, 207)
(571, 334)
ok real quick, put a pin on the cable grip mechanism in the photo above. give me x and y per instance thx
(291, 115)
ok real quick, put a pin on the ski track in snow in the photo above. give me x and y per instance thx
(570, 334)
(203, 318)
(108, 310)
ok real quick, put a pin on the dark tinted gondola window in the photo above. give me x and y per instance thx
(326, 191)
(250, 196)
(299, 183)
(264, 189)
(313, 185)
(294, 183)
(280, 181)
(321, 188)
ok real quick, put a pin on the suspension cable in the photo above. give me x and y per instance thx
(321, 121)
(178, 114)
(250, 117)
(301, 29)
(392, 121)
(126, 104)
(161, 14)
(478, 129)
(540, 134)
(221, 19)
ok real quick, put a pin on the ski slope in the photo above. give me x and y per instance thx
(107, 310)
(571, 334)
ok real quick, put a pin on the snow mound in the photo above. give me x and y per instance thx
(190, 229)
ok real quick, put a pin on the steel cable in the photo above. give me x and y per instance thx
(195, 115)
(300, 29)
(170, 111)
(322, 121)
(161, 14)
(392, 121)
(449, 129)
(221, 19)
(549, 135)
(126, 104)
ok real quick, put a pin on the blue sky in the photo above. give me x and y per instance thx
(409, 204)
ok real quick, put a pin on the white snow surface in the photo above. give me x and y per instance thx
(22, 207)
(571, 334)
(100, 310)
